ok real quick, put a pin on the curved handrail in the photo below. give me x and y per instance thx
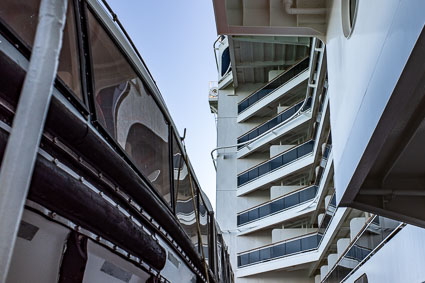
(300, 62)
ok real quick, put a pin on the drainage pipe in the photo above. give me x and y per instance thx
(19, 158)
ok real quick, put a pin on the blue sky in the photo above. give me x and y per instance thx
(175, 39)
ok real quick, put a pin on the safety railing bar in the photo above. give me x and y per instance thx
(278, 77)
(276, 198)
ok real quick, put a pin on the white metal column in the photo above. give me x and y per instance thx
(19, 158)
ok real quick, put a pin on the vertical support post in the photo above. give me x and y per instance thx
(21, 150)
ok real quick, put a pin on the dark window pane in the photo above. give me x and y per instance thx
(273, 122)
(292, 200)
(289, 156)
(242, 179)
(243, 218)
(307, 194)
(265, 253)
(244, 259)
(303, 150)
(293, 246)
(276, 205)
(225, 61)
(309, 243)
(127, 110)
(264, 210)
(253, 214)
(253, 173)
(252, 135)
(279, 250)
(254, 256)
(264, 128)
(252, 100)
(22, 17)
(276, 162)
(264, 169)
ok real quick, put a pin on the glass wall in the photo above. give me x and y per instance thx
(127, 111)
(21, 16)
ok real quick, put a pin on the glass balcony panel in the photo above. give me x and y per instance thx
(265, 168)
(253, 173)
(277, 205)
(244, 259)
(252, 135)
(264, 210)
(309, 243)
(293, 246)
(275, 84)
(243, 218)
(307, 194)
(254, 256)
(253, 214)
(278, 250)
(276, 162)
(264, 128)
(242, 179)
(252, 100)
(292, 200)
(265, 254)
(273, 123)
(289, 156)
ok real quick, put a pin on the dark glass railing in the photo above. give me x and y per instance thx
(276, 162)
(274, 84)
(327, 218)
(278, 205)
(282, 117)
(282, 249)
(371, 237)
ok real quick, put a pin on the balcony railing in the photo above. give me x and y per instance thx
(278, 205)
(281, 249)
(276, 162)
(270, 124)
(282, 79)
(374, 234)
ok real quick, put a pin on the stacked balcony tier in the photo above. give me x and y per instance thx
(277, 120)
(276, 162)
(278, 205)
(281, 249)
(274, 84)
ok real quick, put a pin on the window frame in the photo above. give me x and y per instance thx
(26, 50)
(93, 115)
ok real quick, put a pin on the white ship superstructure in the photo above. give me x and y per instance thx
(319, 155)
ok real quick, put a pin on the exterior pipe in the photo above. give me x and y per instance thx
(19, 158)
(302, 11)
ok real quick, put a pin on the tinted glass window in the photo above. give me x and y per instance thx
(203, 224)
(293, 246)
(185, 211)
(278, 250)
(22, 17)
(126, 109)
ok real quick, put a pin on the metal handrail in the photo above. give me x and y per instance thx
(283, 73)
(275, 199)
(278, 243)
(262, 124)
(280, 154)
